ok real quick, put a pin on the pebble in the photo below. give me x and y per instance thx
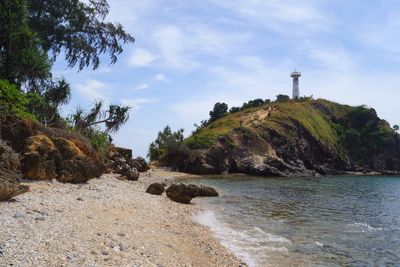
(123, 247)
(19, 214)
(41, 218)
(105, 253)
(79, 199)
(121, 234)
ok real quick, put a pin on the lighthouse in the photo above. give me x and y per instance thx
(296, 90)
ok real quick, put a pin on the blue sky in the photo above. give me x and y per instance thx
(190, 54)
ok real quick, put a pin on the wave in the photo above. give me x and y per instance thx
(363, 227)
(250, 244)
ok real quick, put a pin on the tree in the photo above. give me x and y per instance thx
(169, 148)
(45, 105)
(219, 110)
(21, 57)
(113, 118)
(282, 98)
(78, 29)
(396, 127)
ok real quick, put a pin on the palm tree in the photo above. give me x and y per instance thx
(113, 118)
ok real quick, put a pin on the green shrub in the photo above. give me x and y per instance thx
(13, 100)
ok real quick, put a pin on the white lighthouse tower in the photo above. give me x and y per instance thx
(296, 90)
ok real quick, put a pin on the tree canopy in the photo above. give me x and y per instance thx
(79, 29)
(219, 110)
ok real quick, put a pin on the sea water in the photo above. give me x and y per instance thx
(329, 221)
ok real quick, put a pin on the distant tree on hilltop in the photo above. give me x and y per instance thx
(282, 98)
(219, 110)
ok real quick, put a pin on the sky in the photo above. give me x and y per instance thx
(189, 55)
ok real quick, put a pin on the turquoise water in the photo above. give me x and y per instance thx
(330, 221)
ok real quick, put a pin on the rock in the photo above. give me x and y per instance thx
(60, 158)
(9, 159)
(105, 253)
(130, 173)
(10, 189)
(114, 151)
(207, 191)
(139, 164)
(19, 214)
(41, 218)
(123, 247)
(155, 189)
(182, 193)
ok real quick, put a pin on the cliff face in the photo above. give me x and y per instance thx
(295, 139)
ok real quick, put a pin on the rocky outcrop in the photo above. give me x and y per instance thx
(156, 189)
(300, 138)
(9, 173)
(48, 153)
(182, 193)
(57, 158)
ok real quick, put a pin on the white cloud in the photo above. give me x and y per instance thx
(288, 17)
(336, 59)
(137, 103)
(160, 77)
(142, 86)
(91, 89)
(141, 58)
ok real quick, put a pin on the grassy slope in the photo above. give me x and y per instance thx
(282, 121)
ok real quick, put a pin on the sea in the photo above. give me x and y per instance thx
(326, 221)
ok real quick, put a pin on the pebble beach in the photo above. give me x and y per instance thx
(106, 222)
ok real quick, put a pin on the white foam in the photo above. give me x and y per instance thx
(364, 227)
(248, 244)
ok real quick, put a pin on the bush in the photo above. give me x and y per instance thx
(13, 100)
(99, 140)
(169, 148)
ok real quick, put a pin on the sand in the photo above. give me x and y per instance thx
(106, 222)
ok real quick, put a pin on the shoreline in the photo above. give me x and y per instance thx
(106, 222)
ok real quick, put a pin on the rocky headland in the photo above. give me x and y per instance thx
(292, 138)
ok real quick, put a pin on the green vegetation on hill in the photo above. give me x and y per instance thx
(338, 134)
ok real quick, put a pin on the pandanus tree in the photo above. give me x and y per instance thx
(112, 118)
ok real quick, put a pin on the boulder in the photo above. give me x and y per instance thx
(10, 189)
(182, 193)
(207, 191)
(130, 173)
(155, 189)
(139, 164)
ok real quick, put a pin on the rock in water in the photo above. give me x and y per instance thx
(10, 189)
(207, 191)
(155, 189)
(182, 193)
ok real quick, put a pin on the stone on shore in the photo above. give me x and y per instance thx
(182, 193)
(207, 191)
(10, 189)
(156, 189)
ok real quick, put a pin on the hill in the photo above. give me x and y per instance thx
(294, 138)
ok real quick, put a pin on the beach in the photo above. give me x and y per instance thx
(106, 222)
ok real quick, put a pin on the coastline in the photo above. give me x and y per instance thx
(106, 222)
